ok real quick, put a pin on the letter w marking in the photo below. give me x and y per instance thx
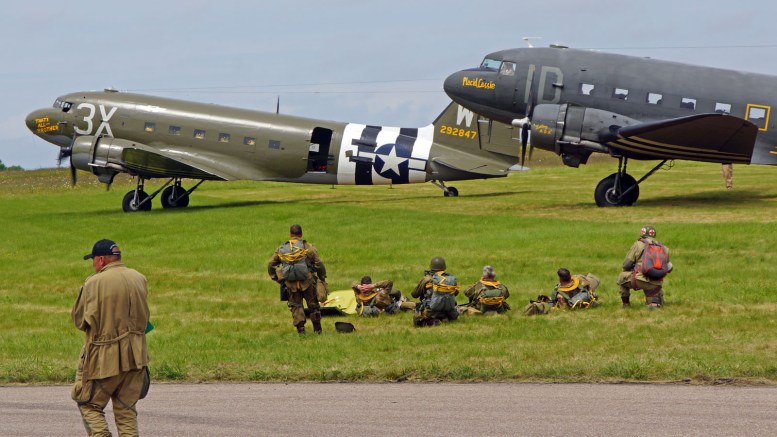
(464, 114)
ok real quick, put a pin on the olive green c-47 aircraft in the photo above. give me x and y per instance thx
(110, 132)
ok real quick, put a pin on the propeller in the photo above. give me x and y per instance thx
(64, 152)
(525, 125)
(67, 152)
(524, 142)
(72, 173)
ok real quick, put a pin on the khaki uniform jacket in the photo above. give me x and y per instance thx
(386, 285)
(634, 259)
(112, 310)
(423, 290)
(311, 259)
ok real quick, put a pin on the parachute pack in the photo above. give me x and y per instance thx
(444, 283)
(491, 297)
(655, 260)
(292, 255)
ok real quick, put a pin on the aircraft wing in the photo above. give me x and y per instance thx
(703, 137)
(165, 161)
(153, 163)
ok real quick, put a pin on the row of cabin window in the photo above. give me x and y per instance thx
(755, 113)
(199, 134)
(587, 89)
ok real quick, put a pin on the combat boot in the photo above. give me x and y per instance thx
(316, 319)
(301, 330)
(626, 302)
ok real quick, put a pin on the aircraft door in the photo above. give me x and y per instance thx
(318, 152)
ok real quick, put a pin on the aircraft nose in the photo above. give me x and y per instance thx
(40, 122)
(452, 85)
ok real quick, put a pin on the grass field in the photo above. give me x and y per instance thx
(218, 317)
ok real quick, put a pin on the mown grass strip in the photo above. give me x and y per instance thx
(218, 317)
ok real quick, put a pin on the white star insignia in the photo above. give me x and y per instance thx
(392, 161)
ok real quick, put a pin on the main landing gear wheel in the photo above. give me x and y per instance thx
(131, 203)
(451, 192)
(175, 197)
(609, 194)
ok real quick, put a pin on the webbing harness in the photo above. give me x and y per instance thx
(295, 255)
(493, 301)
(442, 287)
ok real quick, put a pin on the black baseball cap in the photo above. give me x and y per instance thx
(103, 248)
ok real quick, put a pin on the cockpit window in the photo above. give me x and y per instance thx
(65, 106)
(491, 64)
(507, 69)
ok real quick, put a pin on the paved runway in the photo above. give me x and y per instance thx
(413, 409)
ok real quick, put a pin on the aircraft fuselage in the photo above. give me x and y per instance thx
(511, 82)
(112, 132)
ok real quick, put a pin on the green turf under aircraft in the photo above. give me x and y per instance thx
(109, 132)
(577, 102)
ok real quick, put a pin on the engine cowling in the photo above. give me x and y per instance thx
(573, 132)
(99, 155)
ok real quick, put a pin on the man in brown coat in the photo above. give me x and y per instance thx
(297, 265)
(112, 311)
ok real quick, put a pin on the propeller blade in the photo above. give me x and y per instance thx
(524, 142)
(278, 105)
(73, 178)
(64, 152)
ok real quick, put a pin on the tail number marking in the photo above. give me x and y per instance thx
(458, 132)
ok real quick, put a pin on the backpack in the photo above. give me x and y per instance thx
(655, 260)
(491, 298)
(444, 284)
(292, 255)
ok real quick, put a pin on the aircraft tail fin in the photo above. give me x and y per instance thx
(462, 129)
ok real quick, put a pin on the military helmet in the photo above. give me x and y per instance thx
(647, 231)
(437, 264)
(344, 327)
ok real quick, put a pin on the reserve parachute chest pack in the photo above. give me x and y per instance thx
(655, 260)
(294, 266)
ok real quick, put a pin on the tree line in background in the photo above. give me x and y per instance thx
(13, 167)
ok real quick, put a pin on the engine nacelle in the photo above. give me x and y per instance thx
(99, 155)
(573, 132)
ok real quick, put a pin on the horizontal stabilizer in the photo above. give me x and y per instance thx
(703, 137)
(466, 166)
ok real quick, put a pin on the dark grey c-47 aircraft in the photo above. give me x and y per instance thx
(577, 102)
(110, 132)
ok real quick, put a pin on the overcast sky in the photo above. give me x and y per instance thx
(378, 61)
